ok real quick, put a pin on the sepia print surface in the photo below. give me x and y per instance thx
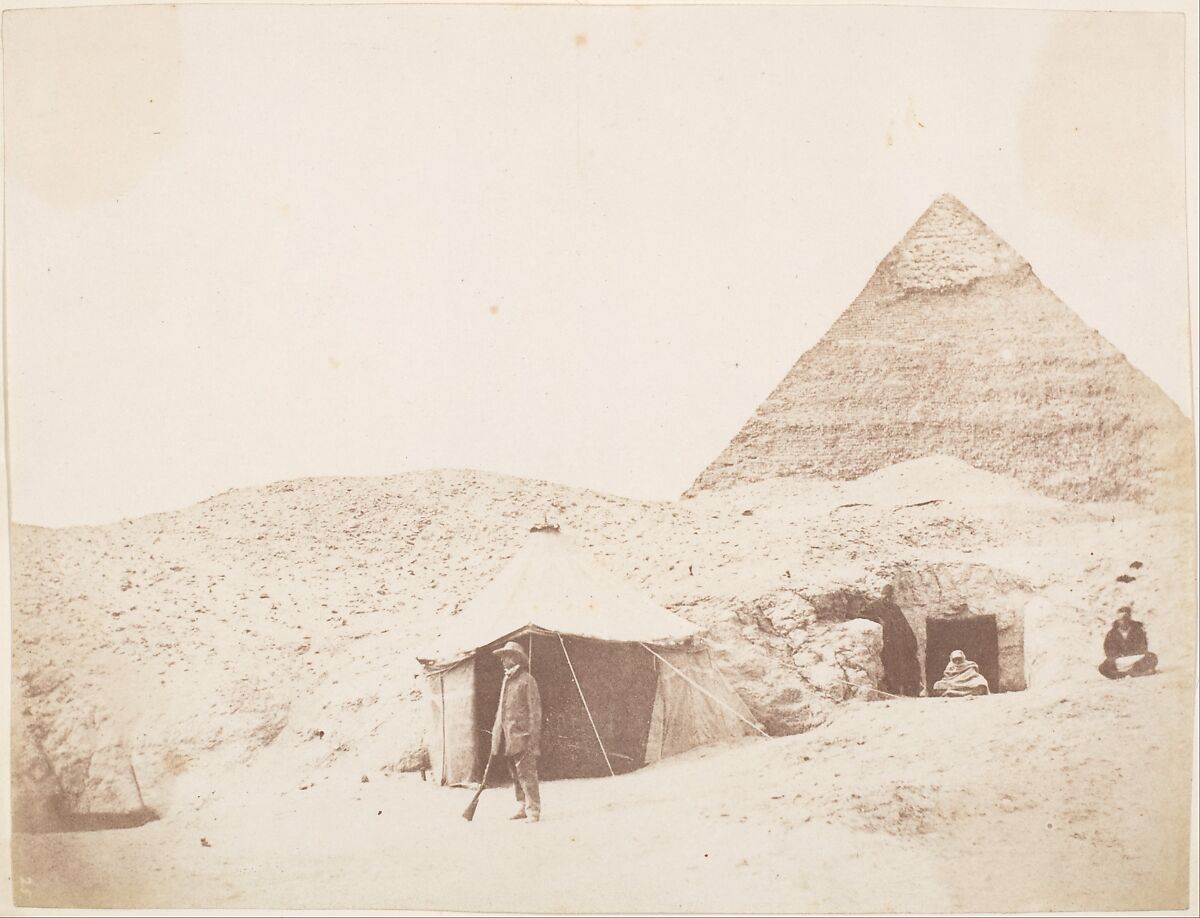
(600, 459)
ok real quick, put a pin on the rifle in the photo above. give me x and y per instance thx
(469, 812)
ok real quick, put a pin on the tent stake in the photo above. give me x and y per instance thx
(701, 688)
(586, 709)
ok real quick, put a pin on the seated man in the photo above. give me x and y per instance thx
(962, 677)
(1126, 652)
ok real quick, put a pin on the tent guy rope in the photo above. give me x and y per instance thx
(701, 688)
(868, 688)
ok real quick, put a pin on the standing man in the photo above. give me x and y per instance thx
(517, 733)
(1126, 651)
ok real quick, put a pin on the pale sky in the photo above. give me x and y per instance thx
(582, 244)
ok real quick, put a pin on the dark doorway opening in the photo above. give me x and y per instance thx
(974, 635)
(901, 668)
(619, 681)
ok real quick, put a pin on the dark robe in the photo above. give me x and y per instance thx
(1132, 643)
(960, 680)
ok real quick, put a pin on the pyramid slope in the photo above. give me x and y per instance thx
(955, 347)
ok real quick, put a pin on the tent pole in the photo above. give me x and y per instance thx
(442, 687)
(137, 784)
(586, 709)
(701, 688)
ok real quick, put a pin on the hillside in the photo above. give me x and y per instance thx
(955, 347)
(281, 623)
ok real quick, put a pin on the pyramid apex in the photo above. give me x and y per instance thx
(948, 246)
(947, 202)
(947, 198)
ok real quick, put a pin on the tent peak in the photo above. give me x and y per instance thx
(551, 585)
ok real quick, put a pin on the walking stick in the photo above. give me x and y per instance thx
(469, 812)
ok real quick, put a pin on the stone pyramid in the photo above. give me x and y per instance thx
(955, 347)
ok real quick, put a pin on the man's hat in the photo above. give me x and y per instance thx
(512, 648)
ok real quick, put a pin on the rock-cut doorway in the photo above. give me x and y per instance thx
(974, 635)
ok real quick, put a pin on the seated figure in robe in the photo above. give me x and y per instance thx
(1126, 650)
(962, 677)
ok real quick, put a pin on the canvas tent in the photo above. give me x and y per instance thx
(623, 682)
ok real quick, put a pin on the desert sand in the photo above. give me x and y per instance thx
(1021, 801)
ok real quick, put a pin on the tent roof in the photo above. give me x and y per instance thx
(551, 585)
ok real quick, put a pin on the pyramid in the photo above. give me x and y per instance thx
(955, 347)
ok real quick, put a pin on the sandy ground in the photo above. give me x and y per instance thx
(1064, 798)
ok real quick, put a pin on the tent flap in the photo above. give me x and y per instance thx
(683, 716)
(452, 752)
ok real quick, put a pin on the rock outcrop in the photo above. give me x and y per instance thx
(71, 768)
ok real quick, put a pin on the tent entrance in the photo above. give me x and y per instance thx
(619, 681)
(974, 635)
